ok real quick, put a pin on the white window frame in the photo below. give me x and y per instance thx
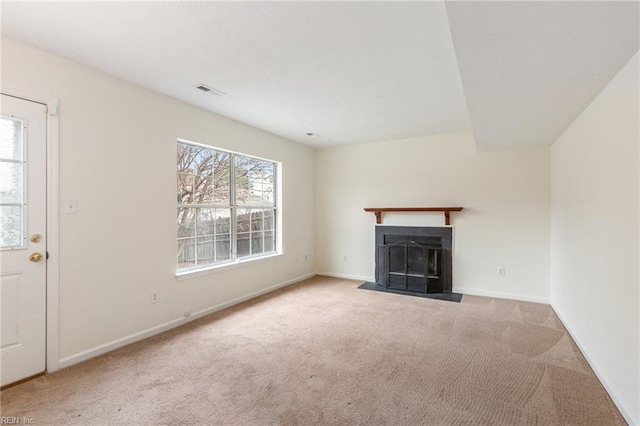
(200, 270)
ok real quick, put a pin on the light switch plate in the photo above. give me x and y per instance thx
(70, 206)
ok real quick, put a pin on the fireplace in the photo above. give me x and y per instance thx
(414, 259)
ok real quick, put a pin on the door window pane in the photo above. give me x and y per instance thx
(397, 259)
(11, 185)
(11, 226)
(10, 138)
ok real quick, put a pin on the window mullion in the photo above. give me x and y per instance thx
(195, 234)
(195, 218)
(206, 206)
(215, 235)
(232, 201)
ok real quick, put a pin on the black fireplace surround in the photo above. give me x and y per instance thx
(414, 259)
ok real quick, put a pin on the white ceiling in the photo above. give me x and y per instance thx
(354, 72)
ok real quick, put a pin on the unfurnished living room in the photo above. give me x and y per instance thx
(320, 213)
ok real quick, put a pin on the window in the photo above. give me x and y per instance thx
(227, 206)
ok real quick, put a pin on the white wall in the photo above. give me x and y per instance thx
(594, 235)
(505, 196)
(118, 160)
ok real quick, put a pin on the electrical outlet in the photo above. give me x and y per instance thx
(345, 259)
(502, 272)
(155, 297)
(306, 257)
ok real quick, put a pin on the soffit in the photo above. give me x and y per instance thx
(529, 69)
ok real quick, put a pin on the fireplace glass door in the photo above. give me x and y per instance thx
(413, 267)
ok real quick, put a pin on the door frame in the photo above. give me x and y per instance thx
(52, 344)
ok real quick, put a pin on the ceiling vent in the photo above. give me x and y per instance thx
(210, 90)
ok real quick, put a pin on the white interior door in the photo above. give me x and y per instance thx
(23, 241)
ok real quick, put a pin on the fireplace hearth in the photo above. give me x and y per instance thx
(414, 259)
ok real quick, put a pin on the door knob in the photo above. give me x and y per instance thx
(36, 238)
(36, 257)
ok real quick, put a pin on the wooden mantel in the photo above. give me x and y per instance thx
(378, 211)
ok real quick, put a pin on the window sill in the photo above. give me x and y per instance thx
(195, 273)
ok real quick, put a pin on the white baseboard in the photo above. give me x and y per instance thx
(345, 276)
(623, 410)
(115, 344)
(499, 295)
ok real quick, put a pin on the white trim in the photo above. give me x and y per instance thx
(499, 295)
(53, 250)
(346, 276)
(623, 410)
(115, 344)
(53, 263)
(195, 273)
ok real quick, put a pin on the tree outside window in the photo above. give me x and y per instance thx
(226, 206)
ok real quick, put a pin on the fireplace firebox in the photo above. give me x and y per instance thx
(414, 259)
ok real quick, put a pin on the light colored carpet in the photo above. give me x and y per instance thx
(323, 352)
